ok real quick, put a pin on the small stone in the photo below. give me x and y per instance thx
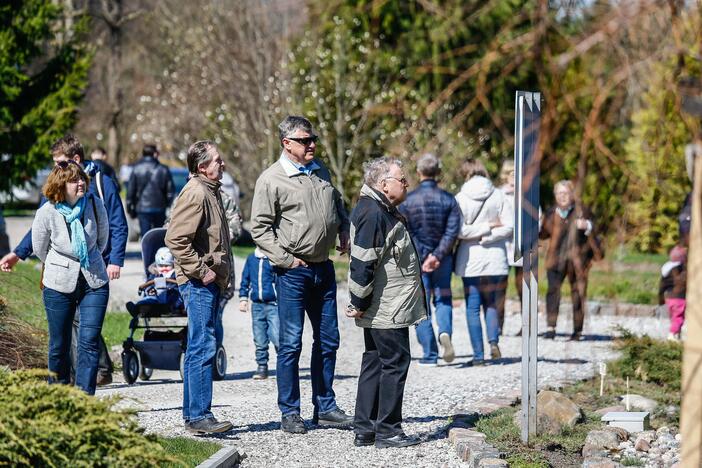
(602, 439)
(678, 437)
(493, 463)
(642, 445)
(620, 431)
(599, 462)
(649, 436)
(663, 430)
(462, 433)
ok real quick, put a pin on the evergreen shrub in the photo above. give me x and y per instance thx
(57, 425)
(649, 360)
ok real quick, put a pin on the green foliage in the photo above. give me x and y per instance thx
(188, 451)
(58, 425)
(649, 360)
(655, 153)
(632, 461)
(43, 72)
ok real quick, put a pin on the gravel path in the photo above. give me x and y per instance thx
(432, 394)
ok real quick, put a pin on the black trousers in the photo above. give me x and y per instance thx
(381, 384)
(578, 293)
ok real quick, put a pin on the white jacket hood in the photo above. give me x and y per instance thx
(478, 188)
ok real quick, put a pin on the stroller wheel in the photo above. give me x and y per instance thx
(145, 373)
(219, 370)
(130, 366)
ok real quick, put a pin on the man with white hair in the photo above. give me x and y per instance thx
(570, 252)
(434, 220)
(387, 297)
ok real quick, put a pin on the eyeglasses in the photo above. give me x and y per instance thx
(403, 180)
(305, 140)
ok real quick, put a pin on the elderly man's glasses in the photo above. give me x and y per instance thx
(403, 180)
(305, 140)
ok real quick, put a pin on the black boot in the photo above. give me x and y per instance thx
(261, 372)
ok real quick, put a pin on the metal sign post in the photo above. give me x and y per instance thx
(526, 242)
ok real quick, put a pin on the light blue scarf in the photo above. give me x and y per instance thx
(73, 215)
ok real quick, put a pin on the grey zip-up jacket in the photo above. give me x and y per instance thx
(385, 280)
(296, 215)
(51, 242)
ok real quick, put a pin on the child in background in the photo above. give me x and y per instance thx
(163, 267)
(673, 288)
(258, 286)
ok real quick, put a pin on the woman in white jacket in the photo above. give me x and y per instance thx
(481, 258)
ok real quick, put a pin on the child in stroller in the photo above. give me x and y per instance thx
(162, 316)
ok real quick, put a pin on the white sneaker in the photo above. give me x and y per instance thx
(447, 348)
(673, 336)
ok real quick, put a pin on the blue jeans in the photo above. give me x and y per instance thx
(485, 291)
(201, 302)
(312, 289)
(60, 310)
(437, 284)
(265, 325)
(148, 221)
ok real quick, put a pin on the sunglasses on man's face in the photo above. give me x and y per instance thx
(306, 141)
(64, 164)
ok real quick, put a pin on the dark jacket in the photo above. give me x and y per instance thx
(151, 188)
(117, 240)
(107, 171)
(433, 219)
(385, 278)
(567, 242)
(257, 280)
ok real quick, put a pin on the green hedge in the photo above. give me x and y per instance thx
(58, 425)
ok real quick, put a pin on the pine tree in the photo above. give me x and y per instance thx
(43, 73)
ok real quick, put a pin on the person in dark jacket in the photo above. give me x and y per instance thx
(569, 254)
(258, 287)
(99, 158)
(433, 220)
(69, 148)
(150, 190)
(386, 298)
(673, 289)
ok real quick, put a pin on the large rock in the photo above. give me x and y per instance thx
(641, 403)
(599, 462)
(555, 412)
(610, 409)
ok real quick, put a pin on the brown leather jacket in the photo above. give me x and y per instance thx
(198, 234)
(567, 242)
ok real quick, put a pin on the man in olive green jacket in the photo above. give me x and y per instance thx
(387, 297)
(198, 237)
(297, 215)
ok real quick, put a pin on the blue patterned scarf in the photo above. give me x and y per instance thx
(73, 214)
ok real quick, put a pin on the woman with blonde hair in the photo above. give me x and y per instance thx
(481, 258)
(69, 234)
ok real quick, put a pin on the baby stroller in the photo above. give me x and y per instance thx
(165, 326)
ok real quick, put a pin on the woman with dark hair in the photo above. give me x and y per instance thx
(69, 234)
(481, 258)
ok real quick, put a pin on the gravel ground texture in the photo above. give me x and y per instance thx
(432, 394)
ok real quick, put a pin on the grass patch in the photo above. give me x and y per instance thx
(243, 251)
(115, 328)
(190, 452)
(653, 368)
(21, 289)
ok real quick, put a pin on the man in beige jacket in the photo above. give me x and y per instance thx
(198, 236)
(297, 215)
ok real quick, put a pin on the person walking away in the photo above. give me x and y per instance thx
(387, 297)
(69, 234)
(258, 289)
(433, 220)
(673, 289)
(99, 157)
(297, 215)
(569, 254)
(507, 188)
(481, 257)
(69, 148)
(198, 237)
(150, 190)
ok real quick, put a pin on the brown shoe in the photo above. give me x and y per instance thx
(103, 378)
(495, 351)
